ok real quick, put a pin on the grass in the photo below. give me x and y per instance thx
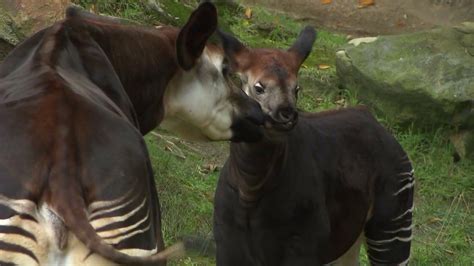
(443, 220)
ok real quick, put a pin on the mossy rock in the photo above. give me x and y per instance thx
(464, 143)
(18, 21)
(423, 79)
(8, 29)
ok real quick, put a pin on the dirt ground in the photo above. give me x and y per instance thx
(383, 17)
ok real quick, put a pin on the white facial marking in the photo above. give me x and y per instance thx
(197, 104)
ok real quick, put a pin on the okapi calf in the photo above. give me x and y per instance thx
(317, 185)
(76, 183)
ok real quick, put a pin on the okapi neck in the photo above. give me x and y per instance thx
(253, 165)
(145, 62)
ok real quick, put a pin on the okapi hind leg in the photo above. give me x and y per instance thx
(351, 257)
(389, 231)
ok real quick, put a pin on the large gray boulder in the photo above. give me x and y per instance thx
(425, 78)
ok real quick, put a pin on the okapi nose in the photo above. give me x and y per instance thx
(286, 114)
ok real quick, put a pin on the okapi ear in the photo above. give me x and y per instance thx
(303, 44)
(232, 48)
(193, 36)
(73, 11)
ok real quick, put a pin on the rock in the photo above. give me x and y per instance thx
(21, 18)
(425, 78)
(463, 142)
(7, 36)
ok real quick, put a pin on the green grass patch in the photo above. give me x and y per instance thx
(186, 193)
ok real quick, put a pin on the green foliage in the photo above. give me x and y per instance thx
(444, 224)
(148, 12)
(272, 29)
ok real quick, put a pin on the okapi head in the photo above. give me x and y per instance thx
(270, 75)
(199, 101)
(173, 76)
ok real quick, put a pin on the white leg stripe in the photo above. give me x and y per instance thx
(20, 206)
(380, 242)
(16, 220)
(18, 258)
(403, 214)
(410, 178)
(120, 238)
(401, 229)
(139, 252)
(103, 204)
(379, 249)
(405, 173)
(118, 231)
(377, 260)
(95, 214)
(108, 220)
(405, 262)
(407, 186)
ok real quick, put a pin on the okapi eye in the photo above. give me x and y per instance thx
(259, 89)
(297, 90)
(225, 69)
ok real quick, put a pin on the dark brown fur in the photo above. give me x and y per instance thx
(305, 193)
(304, 199)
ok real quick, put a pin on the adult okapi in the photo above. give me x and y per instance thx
(76, 185)
(317, 185)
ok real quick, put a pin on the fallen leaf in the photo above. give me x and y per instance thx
(326, 2)
(248, 13)
(366, 3)
(209, 168)
(400, 23)
(93, 8)
(171, 147)
(323, 66)
(449, 251)
(434, 220)
(209, 196)
(340, 102)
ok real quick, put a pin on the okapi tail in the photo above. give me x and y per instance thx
(389, 230)
(68, 203)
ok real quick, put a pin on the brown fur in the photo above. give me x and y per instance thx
(75, 100)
